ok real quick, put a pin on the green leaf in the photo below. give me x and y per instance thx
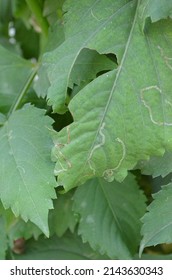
(62, 217)
(3, 239)
(20, 229)
(157, 227)
(110, 216)
(55, 38)
(15, 72)
(155, 9)
(157, 166)
(26, 174)
(70, 247)
(123, 116)
(9, 217)
(26, 37)
(53, 10)
(5, 11)
(88, 64)
(15, 48)
(16, 228)
(87, 25)
(20, 10)
(2, 119)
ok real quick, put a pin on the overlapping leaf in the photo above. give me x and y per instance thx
(15, 72)
(125, 115)
(156, 9)
(20, 229)
(26, 174)
(110, 216)
(157, 166)
(53, 10)
(157, 227)
(88, 65)
(62, 218)
(90, 24)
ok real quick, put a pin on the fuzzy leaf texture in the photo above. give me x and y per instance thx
(109, 219)
(125, 115)
(157, 227)
(26, 174)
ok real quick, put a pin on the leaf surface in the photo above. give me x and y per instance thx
(156, 9)
(70, 247)
(20, 229)
(2, 119)
(157, 223)
(26, 172)
(123, 116)
(88, 64)
(157, 166)
(62, 218)
(87, 25)
(53, 10)
(109, 216)
(15, 73)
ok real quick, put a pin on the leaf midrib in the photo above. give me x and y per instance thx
(116, 79)
(114, 85)
(110, 207)
(27, 190)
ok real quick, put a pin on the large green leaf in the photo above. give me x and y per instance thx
(26, 172)
(125, 115)
(157, 227)
(156, 9)
(90, 24)
(110, 216)
(15, 74)
(70, 247)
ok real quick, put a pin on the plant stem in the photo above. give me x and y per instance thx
(24, 90)
(36, 10)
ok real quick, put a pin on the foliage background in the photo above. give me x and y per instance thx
(85, 129)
